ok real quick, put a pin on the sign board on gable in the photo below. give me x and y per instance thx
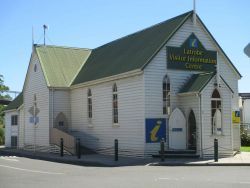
(191, 56)
(155, 130)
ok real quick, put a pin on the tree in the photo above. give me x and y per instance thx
(3, 89)
(3, 95)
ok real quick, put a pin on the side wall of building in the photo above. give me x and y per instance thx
(10, 130)
(35, 88)
(100, 132)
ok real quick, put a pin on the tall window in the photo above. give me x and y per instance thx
(115, 104)
(216, 118)
(89, 104)
(14, 120)
(166, 95)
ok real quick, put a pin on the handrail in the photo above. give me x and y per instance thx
(68, 140)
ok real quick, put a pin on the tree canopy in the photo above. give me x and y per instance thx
(3, 95)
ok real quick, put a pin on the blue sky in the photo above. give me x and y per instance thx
(82, 23)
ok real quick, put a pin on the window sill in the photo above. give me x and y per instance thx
(90, 124)
(115, 125)
(215, 135)
(14, 125)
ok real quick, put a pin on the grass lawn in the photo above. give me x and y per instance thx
(245, 148)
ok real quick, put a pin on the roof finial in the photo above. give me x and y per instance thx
(194, 12)
(44, 28)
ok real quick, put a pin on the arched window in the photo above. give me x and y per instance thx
(115, 104)
(166, 95)
(89, 104)
(216, 117)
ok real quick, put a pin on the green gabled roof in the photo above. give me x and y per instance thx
(16, 103)
(128, 53)
(61, 64)
(196, 83)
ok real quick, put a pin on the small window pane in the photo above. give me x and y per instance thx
(215, 94)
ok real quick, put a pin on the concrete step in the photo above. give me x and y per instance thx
(187, 155)
(180, 152)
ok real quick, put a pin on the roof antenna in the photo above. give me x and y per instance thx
(194, 12)
(44, 29)
(32, 37)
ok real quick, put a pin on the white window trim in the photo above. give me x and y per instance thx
(211, 118)
(115, 124)
(88, 112)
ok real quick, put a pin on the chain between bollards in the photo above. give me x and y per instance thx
(216, 154)
(61, 147)
(116, 150)
(162, 149)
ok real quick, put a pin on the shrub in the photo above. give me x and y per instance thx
(244, 136)
(2, 136)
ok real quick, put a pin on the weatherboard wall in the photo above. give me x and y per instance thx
(157, 69)
(100, 132)
(61, 103)
(225, 139)
(10, 130)
(35, 84)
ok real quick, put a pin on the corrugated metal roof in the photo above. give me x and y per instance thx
(16, 103)
(128, 53)
(61, 64)
(196, 83)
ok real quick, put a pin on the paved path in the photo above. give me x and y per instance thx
(241, 159)
(19, 172)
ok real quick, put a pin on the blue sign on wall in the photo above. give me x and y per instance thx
(155, 130)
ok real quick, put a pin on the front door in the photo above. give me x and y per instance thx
(177, 130)
(191, 131)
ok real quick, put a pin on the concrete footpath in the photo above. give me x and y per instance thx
(241, 159)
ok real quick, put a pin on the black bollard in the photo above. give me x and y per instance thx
(78, 148)
(116, 150)
(216, 154)
(162, 149)
(61, 147)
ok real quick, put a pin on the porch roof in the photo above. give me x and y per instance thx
(196, 83)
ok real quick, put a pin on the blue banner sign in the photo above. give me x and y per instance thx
(155, 130)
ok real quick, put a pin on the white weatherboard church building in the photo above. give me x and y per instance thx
(170, 81)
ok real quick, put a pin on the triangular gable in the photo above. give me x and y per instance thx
(191, 55)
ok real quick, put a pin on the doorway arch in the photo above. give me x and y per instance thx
(177, 130)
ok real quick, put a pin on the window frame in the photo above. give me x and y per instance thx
(89, 105)
(166, 96)
(14, 120)
(115, 109)
(216, 103)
